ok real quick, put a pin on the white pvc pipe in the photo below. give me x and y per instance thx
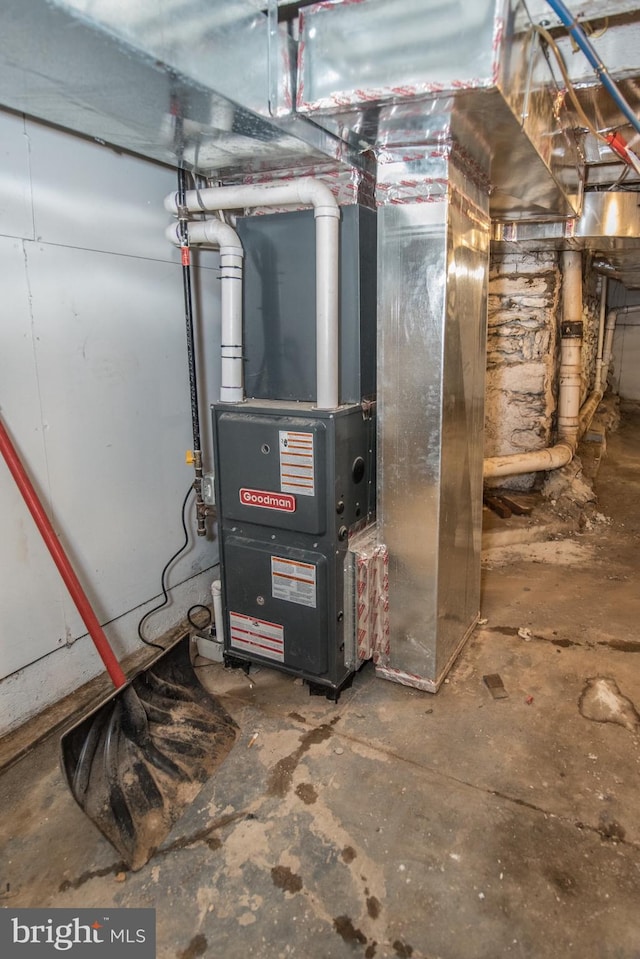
(607, 351)
(303, 192)
(514, 464)
(570, 377)
(569, 387)
(598, 384)
(216, 593)
(588, 409)
(216, 233)
(231, 342)
(327, 348)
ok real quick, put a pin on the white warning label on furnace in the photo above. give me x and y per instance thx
(296, 463)
(256, 636)
(293, 581)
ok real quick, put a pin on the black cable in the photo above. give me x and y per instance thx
(188, 312)
(196, 625)
(163, 585)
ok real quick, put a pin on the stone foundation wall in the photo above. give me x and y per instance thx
(524, 298)
(525, 303)
(591, 291)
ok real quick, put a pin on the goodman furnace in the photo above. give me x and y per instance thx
(294, 483)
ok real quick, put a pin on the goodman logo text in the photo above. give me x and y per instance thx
(39, 933)
(284, 502)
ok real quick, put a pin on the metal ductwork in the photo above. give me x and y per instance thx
(174, 82)
(216, 85)
(389, 73)
(609, 228)
(213, 85)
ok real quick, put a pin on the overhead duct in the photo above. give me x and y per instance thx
(176, 82)
(214, 85)
(385, 70)
(609, 227)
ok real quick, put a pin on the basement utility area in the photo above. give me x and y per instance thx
(320, 479)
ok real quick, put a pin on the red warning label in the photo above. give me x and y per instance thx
(257, 636)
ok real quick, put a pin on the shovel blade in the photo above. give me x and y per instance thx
(135, 762)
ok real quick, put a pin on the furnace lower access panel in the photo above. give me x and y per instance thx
(292, 483)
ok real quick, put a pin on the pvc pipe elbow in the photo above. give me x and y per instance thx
(317, 194)
(212, 232)
(219, 234)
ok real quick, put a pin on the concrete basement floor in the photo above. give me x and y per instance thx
(398, 823)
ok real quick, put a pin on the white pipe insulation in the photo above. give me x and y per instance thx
(302, 192)
(218, 234)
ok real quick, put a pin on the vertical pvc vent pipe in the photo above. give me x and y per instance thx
(571, 331)
(218, 234)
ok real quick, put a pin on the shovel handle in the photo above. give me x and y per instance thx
(60, 559)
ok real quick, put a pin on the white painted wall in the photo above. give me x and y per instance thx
(94, 391)
(624, 375)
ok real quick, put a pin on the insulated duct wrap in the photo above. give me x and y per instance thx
(367, 600)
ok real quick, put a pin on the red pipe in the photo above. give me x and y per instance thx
(60, 559)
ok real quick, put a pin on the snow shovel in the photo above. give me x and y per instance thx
(136, 761)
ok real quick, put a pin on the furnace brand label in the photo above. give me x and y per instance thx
(293, 581)
(257, 636)
(265, 499)
(296, 463)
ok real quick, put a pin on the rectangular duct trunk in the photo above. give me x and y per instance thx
(432, 306)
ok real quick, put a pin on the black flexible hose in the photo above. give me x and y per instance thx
(207, 611)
